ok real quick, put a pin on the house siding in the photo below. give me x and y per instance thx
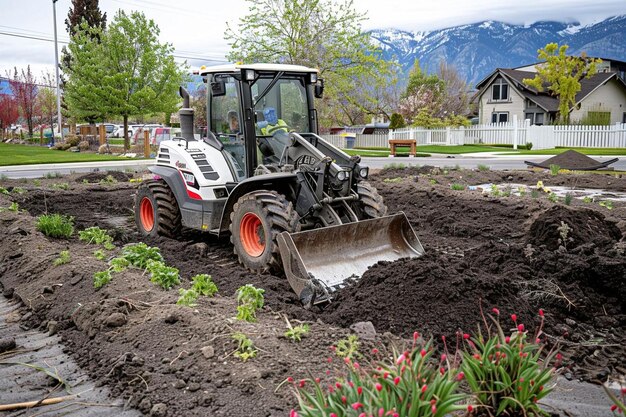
(515, 106)
(608, 97)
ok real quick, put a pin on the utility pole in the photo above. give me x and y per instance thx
(56, 67)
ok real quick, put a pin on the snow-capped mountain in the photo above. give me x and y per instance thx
(477, 49)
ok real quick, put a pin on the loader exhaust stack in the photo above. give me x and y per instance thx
(320, 261)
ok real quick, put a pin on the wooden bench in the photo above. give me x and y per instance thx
(393, 143)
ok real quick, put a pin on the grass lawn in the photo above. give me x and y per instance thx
(11, 154)
(426, 150)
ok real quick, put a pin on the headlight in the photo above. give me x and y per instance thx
(342, 175)
(249, 75)
(363, 172)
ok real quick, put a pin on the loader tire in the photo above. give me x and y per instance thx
(370, 204)
(156, 210)
(257, 218)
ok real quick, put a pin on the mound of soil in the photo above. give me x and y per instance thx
(96, 177)
(583, 226)
(571, 160)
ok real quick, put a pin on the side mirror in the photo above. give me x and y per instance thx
(218, 88)
(319, 88)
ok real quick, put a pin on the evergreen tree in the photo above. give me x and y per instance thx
(88, 11)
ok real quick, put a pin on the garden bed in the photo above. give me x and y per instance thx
(482, 251)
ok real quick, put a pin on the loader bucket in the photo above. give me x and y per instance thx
(319, 261)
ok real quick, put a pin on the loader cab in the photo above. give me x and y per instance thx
(248, 105)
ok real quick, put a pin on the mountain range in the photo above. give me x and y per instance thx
(475, 50)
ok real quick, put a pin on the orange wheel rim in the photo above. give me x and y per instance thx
(252, 234)
(146, 214)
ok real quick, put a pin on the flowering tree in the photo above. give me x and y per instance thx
(47, 99)
(24, 88)
(8, 111)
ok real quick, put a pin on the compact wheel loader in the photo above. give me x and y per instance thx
(290, 200)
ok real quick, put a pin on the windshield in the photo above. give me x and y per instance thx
(283, 107)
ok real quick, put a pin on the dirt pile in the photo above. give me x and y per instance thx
(571, 160)
(96, 177)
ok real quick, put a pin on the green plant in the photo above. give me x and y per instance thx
(163, 275)
(608, 204)
(506, 192)
(394, 165)
(522, 191)
(495, 191)
(457, 187)
(619, 403)
(250, 299)
(50, 175)
(529, 145)
(187, 297)
(85, 181)
(3, 190)
(61, 186)
(553, 197)
(534, 193)
(133, 180)
(55, 225)
(433, 181)
(348, 347)
(508, 375)
(109, 179)
(3, 177)
(37, 183)
(64, 257)
(97, 236)
(482, 167)
(554, 169)
(18, 190)
(139, 254)
(14, 207)
(564, 230)
(296, 333)
(101, 278)
(245, 348)
(568, 199)
(587, 199)
(119, 264)
(391, 180)
(204, 285)
(99, 255)
(412, 385)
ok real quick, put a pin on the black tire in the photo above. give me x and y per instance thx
(257, 218)
(370, 204)
(156, 210)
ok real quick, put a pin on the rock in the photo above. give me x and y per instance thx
(193, 387)
(171, 318)
(201, 249)
(145, 405)
(52, 327)
(208, 352)
(76, 279)
(137, 360)
(6, 344)
(8, 292)
(568, 376)
(364, 329)
(115, 320)
(47, 290)
(158, 410)
(180, 384)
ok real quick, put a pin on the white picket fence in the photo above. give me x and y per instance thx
(513, 133)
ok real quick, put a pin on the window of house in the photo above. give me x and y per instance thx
(535, 118)
(500, 117)
(530, 104)
(500, 90)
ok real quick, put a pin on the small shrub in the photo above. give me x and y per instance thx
(348, 347)
(36, 183)
(13, 207)
(163, 275)
(392, 180)
(72, 140)
(109, 179)
(529, 145)
(433, 181)
(394, 165)
(55, 225)
(139, 254)
(99, 255)
(607, 204)
(553, 197)
(457, 187)
(483, 167)
(508, 374)
(104, 149)
(61, 186)
(119, 264)
(98, 236)
(245, 348)
(64, 257)
(568, 199)
(51, 175)
(296, 333)
(18, 190)
(187, 297)
(4, 190)
(250, 299)
(587, 199)
(83, 145)
(554, 169)
(534, 193)
(204, 285)
(101, 278)
(495, 191)
(522, 191)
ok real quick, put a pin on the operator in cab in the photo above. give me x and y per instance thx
(272, 123)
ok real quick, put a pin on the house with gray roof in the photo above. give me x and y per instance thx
(503, 94)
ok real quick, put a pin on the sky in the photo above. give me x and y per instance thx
(196, 27)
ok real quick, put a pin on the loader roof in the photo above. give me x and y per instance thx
(256, 67)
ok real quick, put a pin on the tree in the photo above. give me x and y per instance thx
(397, 121)
(47, 99)
(9, 112)
(24, 87)
(561, 74)
(323, 34)
(127, 73)
(85, 11)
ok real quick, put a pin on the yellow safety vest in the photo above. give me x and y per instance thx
(271, 129)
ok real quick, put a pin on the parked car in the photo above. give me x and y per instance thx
(138, 133)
